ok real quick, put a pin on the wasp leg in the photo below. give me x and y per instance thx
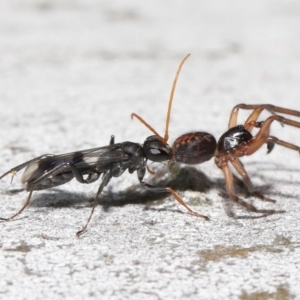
(92, 176)
(105, 180)
(52, 173)
(32, 185)
(20, 211)
(158, 189)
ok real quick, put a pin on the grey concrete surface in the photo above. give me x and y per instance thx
(71, 73)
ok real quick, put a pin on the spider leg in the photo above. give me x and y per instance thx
(271, 140)
(256, 194)
(174, 194)
(257, 110)
(271, 109)
(231, 193)
(274, 140)
(241, 170)
(263, 135)
(105, 180)
(246, 179)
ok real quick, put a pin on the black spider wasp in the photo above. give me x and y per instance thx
(47, 171)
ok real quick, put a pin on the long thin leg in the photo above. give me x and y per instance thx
(105, 180)
(24, 206)
(246, 183)
(174, 194)
(263, 134)
(271, 140)
(58, 169)
(257, 109)
(275, 140)
(241, 170)
(270, 108)
(32, 185)
(246, 180)
(256, 194)
(231, 193)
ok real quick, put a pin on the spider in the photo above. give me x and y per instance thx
(236, 142)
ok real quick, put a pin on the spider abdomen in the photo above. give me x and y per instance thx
(233, 137)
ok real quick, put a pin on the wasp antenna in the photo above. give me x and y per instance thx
(134, 115)
(166, 137)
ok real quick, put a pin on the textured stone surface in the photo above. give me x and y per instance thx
(71, 74)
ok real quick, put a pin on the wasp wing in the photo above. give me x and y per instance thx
(101, 157)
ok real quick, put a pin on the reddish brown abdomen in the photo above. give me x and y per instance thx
(194, 148)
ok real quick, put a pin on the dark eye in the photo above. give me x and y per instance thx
(157, 155)
(155, 150)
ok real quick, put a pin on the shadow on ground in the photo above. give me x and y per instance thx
(179, 179)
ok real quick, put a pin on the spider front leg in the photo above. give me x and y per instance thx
(257, 110)
(263, 135)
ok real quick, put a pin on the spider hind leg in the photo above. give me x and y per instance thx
(230, 179)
